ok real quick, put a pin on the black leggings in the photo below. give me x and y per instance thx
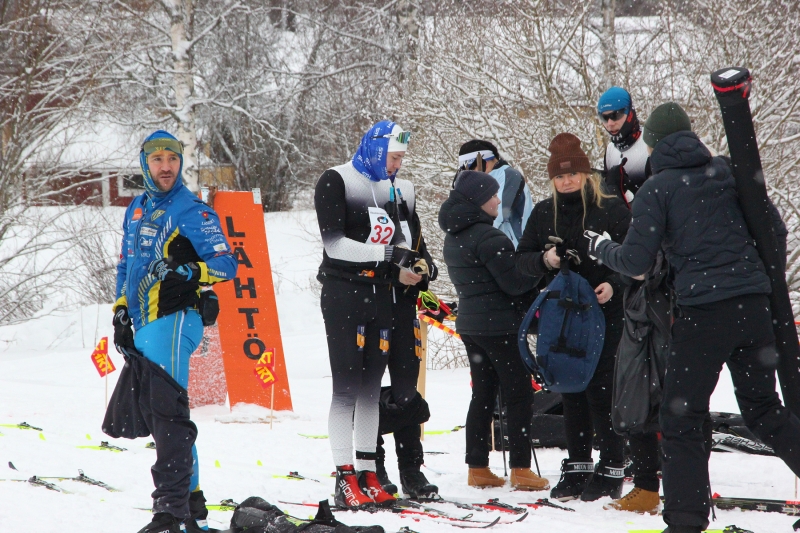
(587, 414)
(404, 371)
(347, 307)
(494, 361)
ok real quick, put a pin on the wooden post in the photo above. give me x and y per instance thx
(271, 405)
(423, 367)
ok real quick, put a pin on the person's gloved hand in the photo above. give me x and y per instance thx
(165, 268)
(402, 257)
(421, 267)
(593, 241)
(123, 331)
(617, 181)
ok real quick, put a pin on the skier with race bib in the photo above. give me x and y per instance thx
(365, 262)
(172, 245)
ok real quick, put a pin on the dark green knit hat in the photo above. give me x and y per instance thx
(665, 119)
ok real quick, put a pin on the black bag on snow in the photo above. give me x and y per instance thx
(642, 353)
(256, 515)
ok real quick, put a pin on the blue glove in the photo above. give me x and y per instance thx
(165, 269)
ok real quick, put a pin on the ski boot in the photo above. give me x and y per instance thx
(371, 487)
(163, 523)
(416, 486)
(606, 481)
(575, 475)
(348, 494)
(383, 478)
(637, 501)
(483, 477)
(198, 519)
(525, 479)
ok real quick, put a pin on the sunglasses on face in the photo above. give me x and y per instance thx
(612, 115)
(157, 145)
(403, 137)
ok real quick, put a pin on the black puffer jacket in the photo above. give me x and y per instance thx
(689, 207)
(612, 217)
(492, 295)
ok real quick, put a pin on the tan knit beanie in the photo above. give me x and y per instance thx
(566, 156)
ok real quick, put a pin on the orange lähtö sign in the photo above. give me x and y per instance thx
(249, 329)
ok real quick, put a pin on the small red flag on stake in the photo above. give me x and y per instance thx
(102, 362)
(265, 375)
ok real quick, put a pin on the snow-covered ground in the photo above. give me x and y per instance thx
(48, 380)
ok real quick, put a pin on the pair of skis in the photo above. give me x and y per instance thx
(417, 511)
(41, 481)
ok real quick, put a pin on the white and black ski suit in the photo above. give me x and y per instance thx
(357, 295)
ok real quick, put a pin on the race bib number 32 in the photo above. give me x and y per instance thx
(381, 227)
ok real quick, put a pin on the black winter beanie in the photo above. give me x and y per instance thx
(478, 187)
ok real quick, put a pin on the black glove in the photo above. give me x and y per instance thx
(593, 240)
(616, 178)
(165, 268)
(402, 257)
(123, 332)
(208, 307)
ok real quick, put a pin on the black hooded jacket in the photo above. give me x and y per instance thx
(612, 217)
(492, 295)
(690, 208)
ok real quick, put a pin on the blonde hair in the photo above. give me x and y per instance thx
(593, 179)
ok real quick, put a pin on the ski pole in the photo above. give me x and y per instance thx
(535, 460)
(502, 433)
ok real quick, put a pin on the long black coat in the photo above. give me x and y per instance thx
(612, 217)
(690, 208)
(492, 295)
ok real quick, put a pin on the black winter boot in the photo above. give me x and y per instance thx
(606, 481)
(416, 486)
(683, 529)
(383, 478)
(575, 475)
(163, 523)
(198, 521)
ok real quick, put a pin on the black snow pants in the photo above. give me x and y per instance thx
(737, 331)
(358, 325)
(402, 409)
(494, 362)
(587, 414)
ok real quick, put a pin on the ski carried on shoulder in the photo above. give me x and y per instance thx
(83, 478)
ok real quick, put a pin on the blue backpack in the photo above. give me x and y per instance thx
(571, 331)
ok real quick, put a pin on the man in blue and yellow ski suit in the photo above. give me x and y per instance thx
(172, 245)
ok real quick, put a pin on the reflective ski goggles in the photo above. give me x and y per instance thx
(612, 115)
(157, 145)
(429, 300)
(403, 137)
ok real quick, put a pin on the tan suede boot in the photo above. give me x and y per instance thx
(483, 478)
(525, 479)
(637, 501)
